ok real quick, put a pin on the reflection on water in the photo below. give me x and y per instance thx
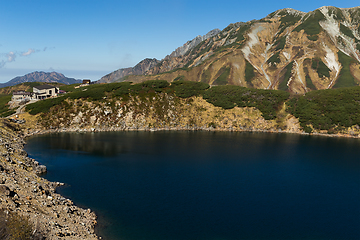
(209, 185)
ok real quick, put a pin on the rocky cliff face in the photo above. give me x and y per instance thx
(288, 50)
(180, 51)
(160, 111)
(41, 77)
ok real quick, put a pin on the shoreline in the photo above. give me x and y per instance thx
(25, 193)
(129, 129)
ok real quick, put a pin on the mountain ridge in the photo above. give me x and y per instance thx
(145, 65)
(39, 76)
(140, 68)
(288, 49)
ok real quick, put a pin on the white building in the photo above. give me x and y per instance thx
(21, 96)
(45, 91)
(39, 93)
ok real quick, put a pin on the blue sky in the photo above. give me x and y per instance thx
(88, 39)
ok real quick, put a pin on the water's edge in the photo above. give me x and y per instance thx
(165, 130)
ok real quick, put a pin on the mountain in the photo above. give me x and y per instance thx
(288, 50)
(141, 68)
(147, 64)
(47, 77)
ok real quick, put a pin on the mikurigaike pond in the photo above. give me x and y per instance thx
(208, 185)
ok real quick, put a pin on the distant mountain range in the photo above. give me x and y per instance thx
(47, 77)
(288, 50)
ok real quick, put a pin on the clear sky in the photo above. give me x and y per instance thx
(88, 39)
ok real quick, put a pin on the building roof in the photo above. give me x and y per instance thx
(45, 86)
(21, 93)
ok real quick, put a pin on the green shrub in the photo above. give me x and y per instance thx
(155, 84)
(288, 19)
(327, 109)
(242, 30)
(123, 89)
(4, 108)
(180, 78)
(307, 129)
(283, 84)
(70, 88)
(345, 30)
(318, 65)
(274, 58)
(355, 15)
(223, 78)
(229, 96)
(345, 78)
(249, 73)
(311, 25)
(145, 87)
(280, 43)
(337, 13)
(187, 89)
(309, 83)
(43, 106)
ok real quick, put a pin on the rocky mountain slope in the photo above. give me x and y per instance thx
(47, 77)
(288, 49)
(147, 64)
(140, 68)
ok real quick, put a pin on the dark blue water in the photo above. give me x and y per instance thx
(206, 185)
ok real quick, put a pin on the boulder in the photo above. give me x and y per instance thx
(4, 190)
(41, 169)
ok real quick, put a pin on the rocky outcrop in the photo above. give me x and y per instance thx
(180, 51)
(24, 192)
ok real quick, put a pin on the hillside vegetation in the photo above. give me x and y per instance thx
(332, 110)
(226, 97)
(193, 104)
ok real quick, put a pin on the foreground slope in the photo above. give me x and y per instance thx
(30, 208)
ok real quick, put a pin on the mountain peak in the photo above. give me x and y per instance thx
(40, 76)
(192, 43)
(284, 11)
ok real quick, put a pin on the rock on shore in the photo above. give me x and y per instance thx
(24, 192)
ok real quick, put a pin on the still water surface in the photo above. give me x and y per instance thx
(208, 185)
